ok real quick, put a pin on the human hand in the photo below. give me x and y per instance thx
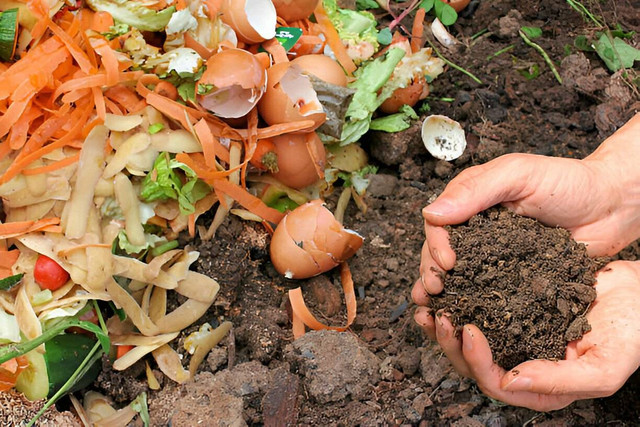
(596, 365)
(596, 199)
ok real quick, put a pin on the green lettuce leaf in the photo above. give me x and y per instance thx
(395, 122)
(164, 182)
(134, 14)
(369, 79)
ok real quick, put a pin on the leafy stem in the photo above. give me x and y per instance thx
(541, 51)
(455, 66)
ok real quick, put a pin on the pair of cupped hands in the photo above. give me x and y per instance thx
(598, 200)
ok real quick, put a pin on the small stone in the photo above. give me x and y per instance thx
(216, 358)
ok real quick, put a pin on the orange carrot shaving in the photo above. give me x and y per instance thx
(53, 166)
(192, 225)
(78, 54)
(125, 97)
(211, 147)
(109, 59)
(98, 98)
(333, 39)
(13, 229)
(417, 30)
(302, 316)
(8, 258)
(167, 90)
(279, 129)
(247, 200)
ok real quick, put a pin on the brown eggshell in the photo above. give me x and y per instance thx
(296, 166)
(238, 79)
(290, 97)
(254, 21)
(322, 67)
(304, 229)
(410, 95)
(458, 5)
(293, 10)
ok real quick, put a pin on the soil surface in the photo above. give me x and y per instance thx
(383, 371)
(526, 285)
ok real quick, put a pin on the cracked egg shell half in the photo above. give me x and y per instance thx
(301, 159)
(294, 10)
(322, 67)
(309, 241)
(253, 21)
(290, 97)
(233, 83)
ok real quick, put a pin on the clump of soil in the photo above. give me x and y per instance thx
(525, 285)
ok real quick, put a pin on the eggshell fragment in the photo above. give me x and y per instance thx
(254, 21)
(293, 10)
(290, 97)
(301, 159)
(237, 80)
(309, 241)
(444, 138)
(322, 67)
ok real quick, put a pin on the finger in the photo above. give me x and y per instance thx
(419, 294)
(488, 376)
(580, 377)
(430, 272)
(451, 344)
(423, 316)
(480, 187)
(439, 246)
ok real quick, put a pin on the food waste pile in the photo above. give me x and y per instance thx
(126, 125)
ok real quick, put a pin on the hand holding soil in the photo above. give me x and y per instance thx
(595, 201)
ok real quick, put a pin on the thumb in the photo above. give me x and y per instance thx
(480, 187)
(562, 377)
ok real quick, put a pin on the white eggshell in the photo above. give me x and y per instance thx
(444, 138)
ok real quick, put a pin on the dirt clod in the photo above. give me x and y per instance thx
(525, 285)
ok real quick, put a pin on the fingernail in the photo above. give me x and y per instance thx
(467, 341)
(518, 384)
(440, 208)
(424, 286)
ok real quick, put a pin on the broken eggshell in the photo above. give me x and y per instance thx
(290, 97)
(233, 83)
(254, 21)
(301, 159)
(443, 137)
(310, 241)
(294, 10)
(323, 67)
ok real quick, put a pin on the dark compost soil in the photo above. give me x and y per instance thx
(383, 371)
(526, 285)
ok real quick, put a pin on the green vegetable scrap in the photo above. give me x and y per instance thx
(371, 77)
(356, 28)
(615, 52)
(8, 33)
(134, 14)
(164, 183)
(395, 122)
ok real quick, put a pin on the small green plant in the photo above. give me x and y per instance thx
(445, 13)
(527, 33)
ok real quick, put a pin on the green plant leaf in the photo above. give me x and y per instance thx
(366, 4)
(617, 54)
(532, 32)
(9, 282)
(385, 36)
(582, 43)
(531, 72)
(427, 5)
(445, 13)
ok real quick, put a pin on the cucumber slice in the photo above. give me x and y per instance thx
(64, 353)
(33, 382)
